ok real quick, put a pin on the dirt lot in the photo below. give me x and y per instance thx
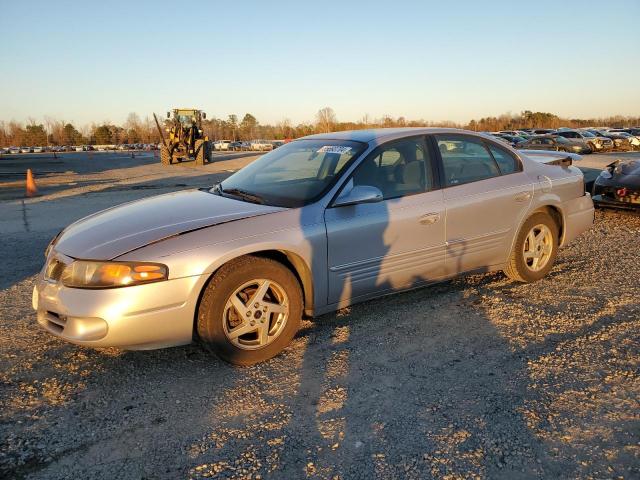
(478, 377)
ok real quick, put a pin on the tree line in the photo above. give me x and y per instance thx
(137, 130)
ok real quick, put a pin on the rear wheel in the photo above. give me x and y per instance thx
(535, 249)
(250, 310)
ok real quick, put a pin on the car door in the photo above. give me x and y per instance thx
(486, 196)
(395, 243)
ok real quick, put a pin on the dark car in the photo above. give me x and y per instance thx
(542, 131)
(514, 140)
(618, 185)
(239, 146)
(554, 142)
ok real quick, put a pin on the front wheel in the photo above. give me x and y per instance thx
(535, 249)
(250, 310)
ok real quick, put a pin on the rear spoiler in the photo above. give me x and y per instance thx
(562, 162)
(561, 159)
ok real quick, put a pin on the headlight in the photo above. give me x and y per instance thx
(89, 274)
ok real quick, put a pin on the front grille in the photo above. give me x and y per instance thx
(55, 322)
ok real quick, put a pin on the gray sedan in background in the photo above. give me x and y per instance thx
(318, 224)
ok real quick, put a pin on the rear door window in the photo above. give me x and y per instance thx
(505, 160)
(465, 160)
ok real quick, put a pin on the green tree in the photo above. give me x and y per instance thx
(102, 135)
(71, 135)
(36, 135)
(248, 127)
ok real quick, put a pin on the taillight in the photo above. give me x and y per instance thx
(622, 192)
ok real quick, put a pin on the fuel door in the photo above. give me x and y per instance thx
(545, 183)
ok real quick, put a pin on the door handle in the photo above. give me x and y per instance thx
(429, 218)
(522, 196)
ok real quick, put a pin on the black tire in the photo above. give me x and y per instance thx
(517, 268)
(165, 156)
(224, 283)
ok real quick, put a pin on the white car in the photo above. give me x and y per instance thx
(221, 145)
(37, 150)
(25, 150)
(261, 145)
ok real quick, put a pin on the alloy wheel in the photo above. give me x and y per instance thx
(255, 314)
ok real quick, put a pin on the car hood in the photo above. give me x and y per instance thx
(113, 232)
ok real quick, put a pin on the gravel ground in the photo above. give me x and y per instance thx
(479, 377)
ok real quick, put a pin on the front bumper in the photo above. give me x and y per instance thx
(141, 317)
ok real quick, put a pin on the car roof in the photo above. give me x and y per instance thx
(378, 135)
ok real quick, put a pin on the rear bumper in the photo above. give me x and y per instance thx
(141, 317)
(578, 217)
(606, 202)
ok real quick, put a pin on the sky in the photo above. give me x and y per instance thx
(85, 61)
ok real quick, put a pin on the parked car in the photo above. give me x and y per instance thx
(277, 143)
(239, 146)
(4, 151)
(261, 145)
(554, 142)
(542, 131)
(631, 130)
(620, 142)
(618, 185)
(36, 149)
(513, 140)
(515, 133)
(595, 143)
(14, 150)
(221, 145)
(316, 225)
(25, 149)
(635, 142)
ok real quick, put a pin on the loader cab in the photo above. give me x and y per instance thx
(187, 118)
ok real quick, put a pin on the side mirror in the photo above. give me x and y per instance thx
(168, 114)
(204, 115)
(359, 194)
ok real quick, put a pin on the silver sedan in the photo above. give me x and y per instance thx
(314, 226)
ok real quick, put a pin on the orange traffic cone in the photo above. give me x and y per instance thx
(32, 190)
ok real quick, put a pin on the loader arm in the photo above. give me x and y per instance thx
(164, 142)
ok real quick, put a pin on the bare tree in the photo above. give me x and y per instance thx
(326, 119)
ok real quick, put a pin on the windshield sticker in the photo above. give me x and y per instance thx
(334, 149)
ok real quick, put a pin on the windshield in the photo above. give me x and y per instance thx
(587, 134)
(186, 119)
(294, 174)
(560, 139)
